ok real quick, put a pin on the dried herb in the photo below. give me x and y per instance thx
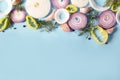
(92, 16)
(20, 6)
(11, 23)
(47, 25)
(110, 2)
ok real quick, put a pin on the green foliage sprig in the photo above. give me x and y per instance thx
(92, 16)
(110, 2)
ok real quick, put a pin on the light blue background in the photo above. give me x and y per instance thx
(26, 54)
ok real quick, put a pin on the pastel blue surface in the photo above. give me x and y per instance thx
(26, 54)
